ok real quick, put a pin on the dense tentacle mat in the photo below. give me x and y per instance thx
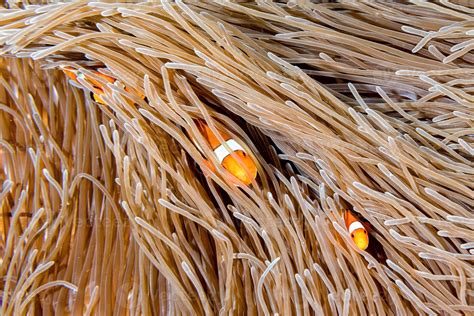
(237, 158)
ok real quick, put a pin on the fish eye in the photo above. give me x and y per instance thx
(352, 235)
(365, 232)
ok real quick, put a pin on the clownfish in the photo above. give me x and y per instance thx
(243, 169)
(357, 230)
(98, 88)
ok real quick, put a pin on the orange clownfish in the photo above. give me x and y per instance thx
(357, 230)
(98, 88)
(243, 169)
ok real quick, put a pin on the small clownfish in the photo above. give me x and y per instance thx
(246, 172)
(98, 88)
(357, 230)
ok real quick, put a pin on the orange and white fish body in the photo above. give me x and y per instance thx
(243, 168)
(357, 230)
(98, 88)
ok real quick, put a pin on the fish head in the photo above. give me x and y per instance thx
(243, 168)
(360, 238)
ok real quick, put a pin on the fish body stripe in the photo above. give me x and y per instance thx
(354, 226)
(221, 152)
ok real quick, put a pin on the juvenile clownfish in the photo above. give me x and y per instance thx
(98, 88)
(246, 172)
(357, 230)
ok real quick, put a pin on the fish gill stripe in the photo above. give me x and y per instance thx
(221, 152)
(354, 226)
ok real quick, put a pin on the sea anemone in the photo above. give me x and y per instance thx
(120, 206)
